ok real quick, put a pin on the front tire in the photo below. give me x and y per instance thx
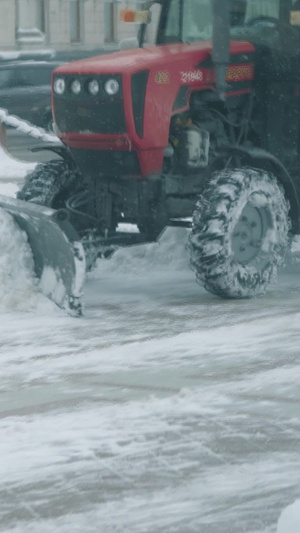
(50, 184)
(240, 233)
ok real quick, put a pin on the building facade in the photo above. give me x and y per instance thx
(62, 24)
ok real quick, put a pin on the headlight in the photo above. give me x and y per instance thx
(93, 87)
(76, 87)
(111, 87)
(59, 86)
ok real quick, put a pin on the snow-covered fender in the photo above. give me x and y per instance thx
(258, 158)
(59, 149)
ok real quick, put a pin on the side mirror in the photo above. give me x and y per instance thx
(130, 43)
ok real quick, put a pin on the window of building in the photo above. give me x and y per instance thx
(110, 22)
(75, 21)
(41, 15)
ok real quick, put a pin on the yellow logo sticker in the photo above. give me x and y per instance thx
(162, 77)
(240, 73)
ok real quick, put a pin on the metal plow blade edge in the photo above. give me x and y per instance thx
(58, 254)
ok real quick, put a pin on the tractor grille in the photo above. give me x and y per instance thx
(84, 113)
(111, 163)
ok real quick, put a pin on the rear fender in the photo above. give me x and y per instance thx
(258, 158)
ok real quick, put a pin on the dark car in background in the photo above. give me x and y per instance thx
(25, 90)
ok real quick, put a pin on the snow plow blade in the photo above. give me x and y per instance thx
(58, 254)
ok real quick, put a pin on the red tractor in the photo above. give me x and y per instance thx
(199, 130)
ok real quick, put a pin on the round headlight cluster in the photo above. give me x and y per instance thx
(59, 86)
(76, 87)
(93, 87)
(111, 87)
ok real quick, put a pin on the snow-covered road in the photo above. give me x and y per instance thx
(162, 410)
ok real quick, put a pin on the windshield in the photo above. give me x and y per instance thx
(191, 20)
(196, 21)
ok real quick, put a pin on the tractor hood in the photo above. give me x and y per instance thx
(137, 94)
(129, 61)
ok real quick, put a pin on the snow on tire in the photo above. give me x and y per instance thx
(48, 182)
(240, 233)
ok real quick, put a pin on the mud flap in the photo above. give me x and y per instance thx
(57, 251)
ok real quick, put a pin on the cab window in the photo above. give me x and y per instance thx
(262, 8)
(188, 21)
(192, 20)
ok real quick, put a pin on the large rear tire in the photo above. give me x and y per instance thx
(240, 233)
(50, 184)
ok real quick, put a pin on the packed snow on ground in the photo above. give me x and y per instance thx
(162, 409)
(289, 521)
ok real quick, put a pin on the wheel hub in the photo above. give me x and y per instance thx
(249, 233)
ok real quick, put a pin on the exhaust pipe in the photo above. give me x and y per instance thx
(221, 41)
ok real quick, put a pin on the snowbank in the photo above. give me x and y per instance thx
(42, 54)
(18, 284)
(16, 263)
(12, 169)
(168, 254)
(17, 280)
(289, 521)
(25, 127)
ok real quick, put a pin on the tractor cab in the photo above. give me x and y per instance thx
(194, 20)
(272, 26)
